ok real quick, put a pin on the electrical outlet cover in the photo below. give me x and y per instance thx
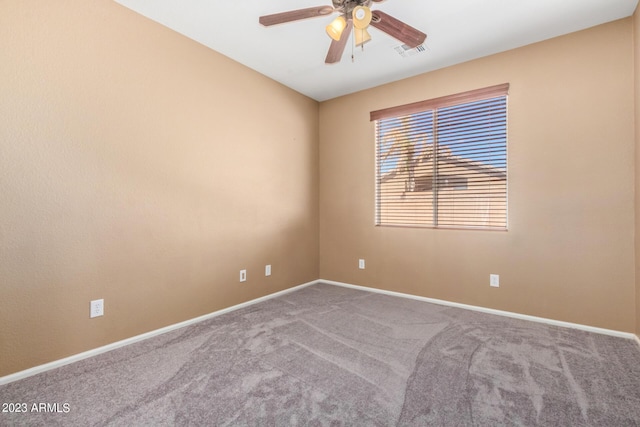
(97, 308)
(494, 280)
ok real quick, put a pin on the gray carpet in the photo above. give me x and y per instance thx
(330, 356)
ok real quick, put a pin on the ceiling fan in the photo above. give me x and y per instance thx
(354, 14)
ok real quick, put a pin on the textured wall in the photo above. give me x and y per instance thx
(569, 251)
(143, 168)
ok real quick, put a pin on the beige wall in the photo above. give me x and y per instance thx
(636, 49)
(139, 167)
(569, 251)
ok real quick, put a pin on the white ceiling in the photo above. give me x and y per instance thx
(293, 53)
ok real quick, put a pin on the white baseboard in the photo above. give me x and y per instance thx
(96, 351)
(560, 323)
(77, 357)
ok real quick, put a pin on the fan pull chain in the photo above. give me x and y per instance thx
(354, 43)
(353, 58)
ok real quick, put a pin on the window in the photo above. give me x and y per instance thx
(443, 162)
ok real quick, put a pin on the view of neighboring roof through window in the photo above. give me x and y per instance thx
(443, 162)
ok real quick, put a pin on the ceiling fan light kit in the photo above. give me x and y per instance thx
(336, 28)
(356, 15)
(361, 17)
(362, 36)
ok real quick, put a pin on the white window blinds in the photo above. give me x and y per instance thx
(443, 162)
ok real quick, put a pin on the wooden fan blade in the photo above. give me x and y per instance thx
(337, 47)
(397, 29)
(295, 15)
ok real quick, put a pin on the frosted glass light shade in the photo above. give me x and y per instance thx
(362, 36)
(336, 28)
(361, 17)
